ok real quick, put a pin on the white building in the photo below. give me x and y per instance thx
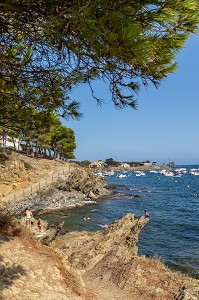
(7, 141)
(124, 165)
(97, 164)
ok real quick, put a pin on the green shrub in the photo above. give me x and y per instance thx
(27, 165)
(6, 217)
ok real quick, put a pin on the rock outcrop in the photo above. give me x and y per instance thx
(42, 231)
(84, 250)
(50, 235)
(88, 265)
(81, 187)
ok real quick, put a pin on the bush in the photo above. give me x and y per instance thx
(6, 217)
(8, 223)
(27, 165)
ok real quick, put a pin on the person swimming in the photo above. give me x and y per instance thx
(86, 218)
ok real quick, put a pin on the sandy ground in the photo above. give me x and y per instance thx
(19, 172)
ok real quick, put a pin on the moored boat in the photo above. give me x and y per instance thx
(121, 175)
(139, 173)
(194, 172)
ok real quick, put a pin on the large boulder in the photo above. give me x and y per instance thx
(85, 181)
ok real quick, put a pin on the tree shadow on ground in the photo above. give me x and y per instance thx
(6, 235)
(3, 157)
(8, 274)
(4, 238)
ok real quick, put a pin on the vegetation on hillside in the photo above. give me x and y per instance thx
(55, 140)
(8, 223)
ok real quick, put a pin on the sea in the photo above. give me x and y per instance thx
(172, 233)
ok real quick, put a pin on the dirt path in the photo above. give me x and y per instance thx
(31, 271)
(41, 182)
(47, 180)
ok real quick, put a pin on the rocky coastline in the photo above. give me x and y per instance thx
(80, 188)
(82, 265)
(87, 265)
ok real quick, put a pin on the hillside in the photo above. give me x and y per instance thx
(18, 171)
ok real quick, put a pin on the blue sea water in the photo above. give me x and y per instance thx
(172, 233)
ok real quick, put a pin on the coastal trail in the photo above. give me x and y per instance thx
(42, 178)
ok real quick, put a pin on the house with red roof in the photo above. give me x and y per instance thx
(98, 164)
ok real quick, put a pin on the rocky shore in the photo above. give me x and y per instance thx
(88, 265)
(80, 188)
(37, 263)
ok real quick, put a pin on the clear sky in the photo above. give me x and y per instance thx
(164, 128)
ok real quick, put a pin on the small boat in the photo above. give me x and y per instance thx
(139, 173)
(99, 174)
(194, 172)
(177, 175)
(121, 176)
(108, 173)
(181, 171)
(169, 173)
(163, 171)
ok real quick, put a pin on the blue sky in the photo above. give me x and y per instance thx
(164, 128)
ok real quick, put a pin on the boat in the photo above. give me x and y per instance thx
(121, 175)
(139, 173)
(181, 171)
(108, 173)
(163, 171)
(194, 172)
(103, 174)
(169, 173)
(99, 174)
(177, 175)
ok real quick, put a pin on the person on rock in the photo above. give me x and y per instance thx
(39, 225)
(29, 216)
(146, 214)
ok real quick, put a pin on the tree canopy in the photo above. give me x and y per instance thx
(56, 140)
(49, 47)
